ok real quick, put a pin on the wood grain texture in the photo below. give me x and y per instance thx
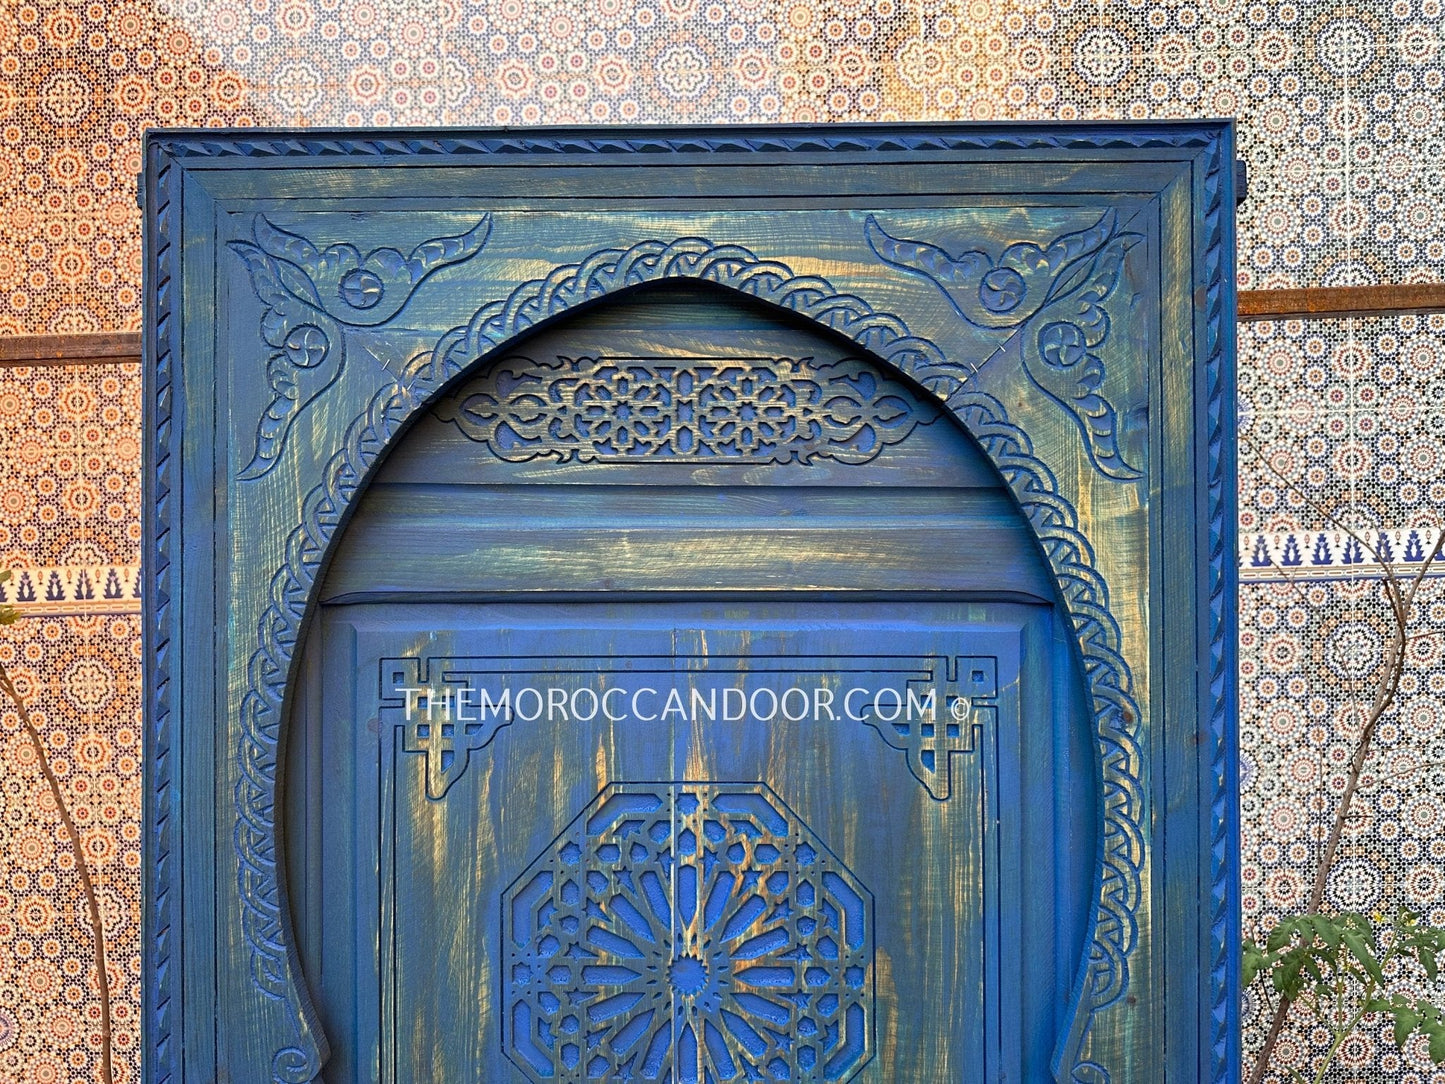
(477, 544)
(116, 347)
(1341, 302)
(636, 486)
(490, 834)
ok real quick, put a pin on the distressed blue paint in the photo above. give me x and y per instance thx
(311, 295)
(1104, 976)
(563, 410)
(1219, 571)
(1203, 1021)
(1047, 297)
(162, 1054)
(966, 697)
(430, 1000)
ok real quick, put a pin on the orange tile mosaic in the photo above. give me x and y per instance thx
(70, 467)
(80, 676)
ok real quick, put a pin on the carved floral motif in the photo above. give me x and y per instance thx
(311, 295)
(1050, 299)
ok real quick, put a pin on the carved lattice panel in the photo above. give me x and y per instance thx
(688, 931)
(685, 410)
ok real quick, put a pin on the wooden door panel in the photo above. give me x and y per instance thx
(654, 538)
(686, 357)
(726, 742)
(904, 819)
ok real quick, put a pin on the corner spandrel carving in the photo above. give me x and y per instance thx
(1050, 299)
(312, 296)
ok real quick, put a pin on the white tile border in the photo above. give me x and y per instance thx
(1279, 556)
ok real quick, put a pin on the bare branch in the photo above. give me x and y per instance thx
(1315, 505)
(92, 902)
(1401, 602)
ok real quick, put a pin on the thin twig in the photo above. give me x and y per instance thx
(1401, 602)
(1321, 509)
(92, 902)
(1377, 778)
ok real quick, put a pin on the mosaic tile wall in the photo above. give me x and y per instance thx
(70, 528)
(1342, 121)
(1340, 103)
(1342, 422)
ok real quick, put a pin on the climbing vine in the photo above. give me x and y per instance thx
(1345, 968)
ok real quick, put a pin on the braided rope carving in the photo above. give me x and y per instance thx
(1221, 788)
(664, 142)
(1116, 717)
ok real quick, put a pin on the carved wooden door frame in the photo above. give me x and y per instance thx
(1064, 292)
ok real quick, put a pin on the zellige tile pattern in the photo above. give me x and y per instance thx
(1341, 109)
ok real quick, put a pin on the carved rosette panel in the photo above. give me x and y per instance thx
(687, 931)
(684, 410)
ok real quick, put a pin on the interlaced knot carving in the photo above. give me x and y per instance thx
(684, 410)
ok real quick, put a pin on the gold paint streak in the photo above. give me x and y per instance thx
(486, 856)
(602, 763)
(697, 767)
(888, 1015)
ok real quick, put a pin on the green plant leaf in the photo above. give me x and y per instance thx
(1361, 924)
(1406, 1021)
(1361, 950)
(1313, 967)
(1279, 936)
(1437, 1043)
(1251, 963)
(1287, 977)
(1326, 931)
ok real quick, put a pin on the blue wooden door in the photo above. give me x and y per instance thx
(604, 413)
(689, 703)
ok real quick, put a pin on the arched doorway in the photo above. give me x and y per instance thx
(688, 701)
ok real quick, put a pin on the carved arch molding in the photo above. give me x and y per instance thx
(1065, 293)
